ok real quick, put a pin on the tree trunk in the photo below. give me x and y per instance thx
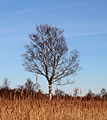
(50, 92)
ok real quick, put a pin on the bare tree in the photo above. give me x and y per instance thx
(59, 92)
(103, 93)
(47, 56)
(6, 83)
(29, 85)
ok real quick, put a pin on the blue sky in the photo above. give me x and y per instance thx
(85, 28)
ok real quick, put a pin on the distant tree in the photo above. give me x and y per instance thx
(105, 96)
(29, 85)
(6, 83)
(47, 56)
(103, 93)
(90, 94)
(59, 92)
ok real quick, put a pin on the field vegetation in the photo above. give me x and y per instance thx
(22, 104)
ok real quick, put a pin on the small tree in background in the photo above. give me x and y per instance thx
(47, 56)
(103, 93)
(90, 94)
(29, 85)
(59, 92)
(6, 83)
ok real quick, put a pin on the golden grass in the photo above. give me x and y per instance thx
(57, 109)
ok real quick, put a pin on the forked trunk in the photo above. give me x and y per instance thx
(50, 92)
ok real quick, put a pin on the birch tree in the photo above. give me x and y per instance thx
(46, 55)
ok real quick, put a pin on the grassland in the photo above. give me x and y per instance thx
(57, 109)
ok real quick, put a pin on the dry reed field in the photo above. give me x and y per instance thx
(57, 109)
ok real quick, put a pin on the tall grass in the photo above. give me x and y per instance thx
(57, 109)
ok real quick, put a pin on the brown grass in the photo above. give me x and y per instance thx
(57, 109)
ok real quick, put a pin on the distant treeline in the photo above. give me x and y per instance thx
(22, 93)
(32, 90)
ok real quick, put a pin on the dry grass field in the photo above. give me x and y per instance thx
(57, 109)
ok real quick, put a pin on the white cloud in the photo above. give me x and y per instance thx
(19, 12)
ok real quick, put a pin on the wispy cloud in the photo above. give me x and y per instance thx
(19, 12)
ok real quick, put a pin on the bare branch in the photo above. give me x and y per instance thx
(65, 83)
